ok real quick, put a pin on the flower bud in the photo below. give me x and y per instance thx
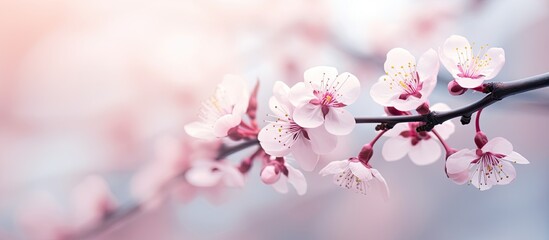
(480, 139)
(455, 89)
(366, 153)
(270, 174)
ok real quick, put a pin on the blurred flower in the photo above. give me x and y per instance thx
(356, 175)
(470, 70)
(223, 111)
(278, 173)
(41, 218)
(320, 98)
(485, 167)
(421, 147)
(92, 200)
(284, 136)
(405, 85)
(210, 173)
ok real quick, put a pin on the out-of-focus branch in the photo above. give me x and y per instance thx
(496, 91)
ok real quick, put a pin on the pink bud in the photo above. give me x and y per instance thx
(366, 153)
(480, 139)
(455, 89)
(270, 174)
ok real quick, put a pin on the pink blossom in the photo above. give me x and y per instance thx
(92, 200)
(223, 111)
(210, 173)
(470, 69)
(357, 176)
(278, 173)
(421, 147)
(284, 136)
(406, 85)
(485, 167)
(320, 99)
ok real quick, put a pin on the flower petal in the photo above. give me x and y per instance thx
(382, 185)
(479, 182)
(496, 58)
(334, 167)
(398, 58)
(469, 82)
(425, 152)
(301, 94)
(308, 115)
(224, 124)
(515, 157)
(232, 177)
(200, 130)
(297, 179)
(306, 158)
(507, 174)
(382, 93)
(427, 69)
(281, 90)
(269, 139)
(408, 104)
(396, 148)
(460, 177)
(281, 185)
(202, 176)
(498, 145)
(348, 88)
(280, 108)
(397, 130)
(236, 91)
(322, 142)
(362, 172)
(315, 77)
(460, 161)
(339, 121)
(450, 52)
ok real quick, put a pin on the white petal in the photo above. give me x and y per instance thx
(469, 82)
(281, 185)
(460, 161)
(449, 56)
(339, 121)
(460, 177)
(497, 56)
(427, 69)
(476, 180)
(306, 158)
(317, 76)
(515, 157)
(297, 179)
(362, 172)
(301, 94)
(232, 177)
(308, 115)
(382, 93)
(498, 145)
(279, 108)
(348, 88)
(397, 58)
(281, 90)
(396, 148)
(200, 130)
(507, 174)
(236, 91)
(224, 124)
(397, 130)
(269, 138)
(202, 176)
(334, 167)
(322, 142)
(383, 187)
(425, 152)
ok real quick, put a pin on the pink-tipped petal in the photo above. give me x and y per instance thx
(348, 88)
(425, 152)
(200, 130)
(297, 179)
(515, 157)
(498, 145)
(496, 59)
(382, 93)
(301, 94)
(396, 148)
(334, 167)
(316, 76)
(322, 142)
(359, 170)
(306, 158)
(339, 121)
(507, 175)
(460, 161)
(308, 115)
(409, 104)
(224, 124)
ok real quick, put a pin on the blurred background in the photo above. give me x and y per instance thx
(89, 86)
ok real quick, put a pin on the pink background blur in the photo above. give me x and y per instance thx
(88, 86)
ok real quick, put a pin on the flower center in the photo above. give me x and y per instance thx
(404, 80)
(415, 137)
(488, 169)
(470, 64)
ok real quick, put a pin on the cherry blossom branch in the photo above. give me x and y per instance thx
(496, 92)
